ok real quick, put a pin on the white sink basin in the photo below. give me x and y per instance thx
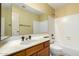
(33, 39)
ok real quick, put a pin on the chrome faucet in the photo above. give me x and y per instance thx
(26, 38)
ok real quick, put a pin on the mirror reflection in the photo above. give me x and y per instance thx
(21, 19)
(28, 20)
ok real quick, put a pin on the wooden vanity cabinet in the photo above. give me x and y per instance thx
(46, 49)
(33, 50)
(46, 44)
(42, 49)
(44, 52)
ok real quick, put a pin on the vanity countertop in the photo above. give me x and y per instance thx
(15, 44)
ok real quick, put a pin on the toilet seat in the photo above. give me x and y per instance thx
(53, 46)
(56, 50)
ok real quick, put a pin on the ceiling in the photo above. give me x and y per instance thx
(57, 5)
(30, 9)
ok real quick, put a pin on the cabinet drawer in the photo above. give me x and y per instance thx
(46, 44)
(44, 52)
(34, 49)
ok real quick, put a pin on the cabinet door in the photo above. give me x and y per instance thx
(21, 53)
(34, 49)
(46, 44)
(44, 52)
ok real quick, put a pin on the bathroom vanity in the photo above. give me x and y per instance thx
(41, 49)
(37, 46)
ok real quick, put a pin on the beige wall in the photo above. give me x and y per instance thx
(43, 7)
(6, 13)
(25, 18)
(43, 17)
(67, 10)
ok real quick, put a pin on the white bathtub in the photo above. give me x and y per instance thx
(70, 50)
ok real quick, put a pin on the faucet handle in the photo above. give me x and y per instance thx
(22, 38)
(29, 36)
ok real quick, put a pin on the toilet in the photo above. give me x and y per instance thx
(56, 50)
